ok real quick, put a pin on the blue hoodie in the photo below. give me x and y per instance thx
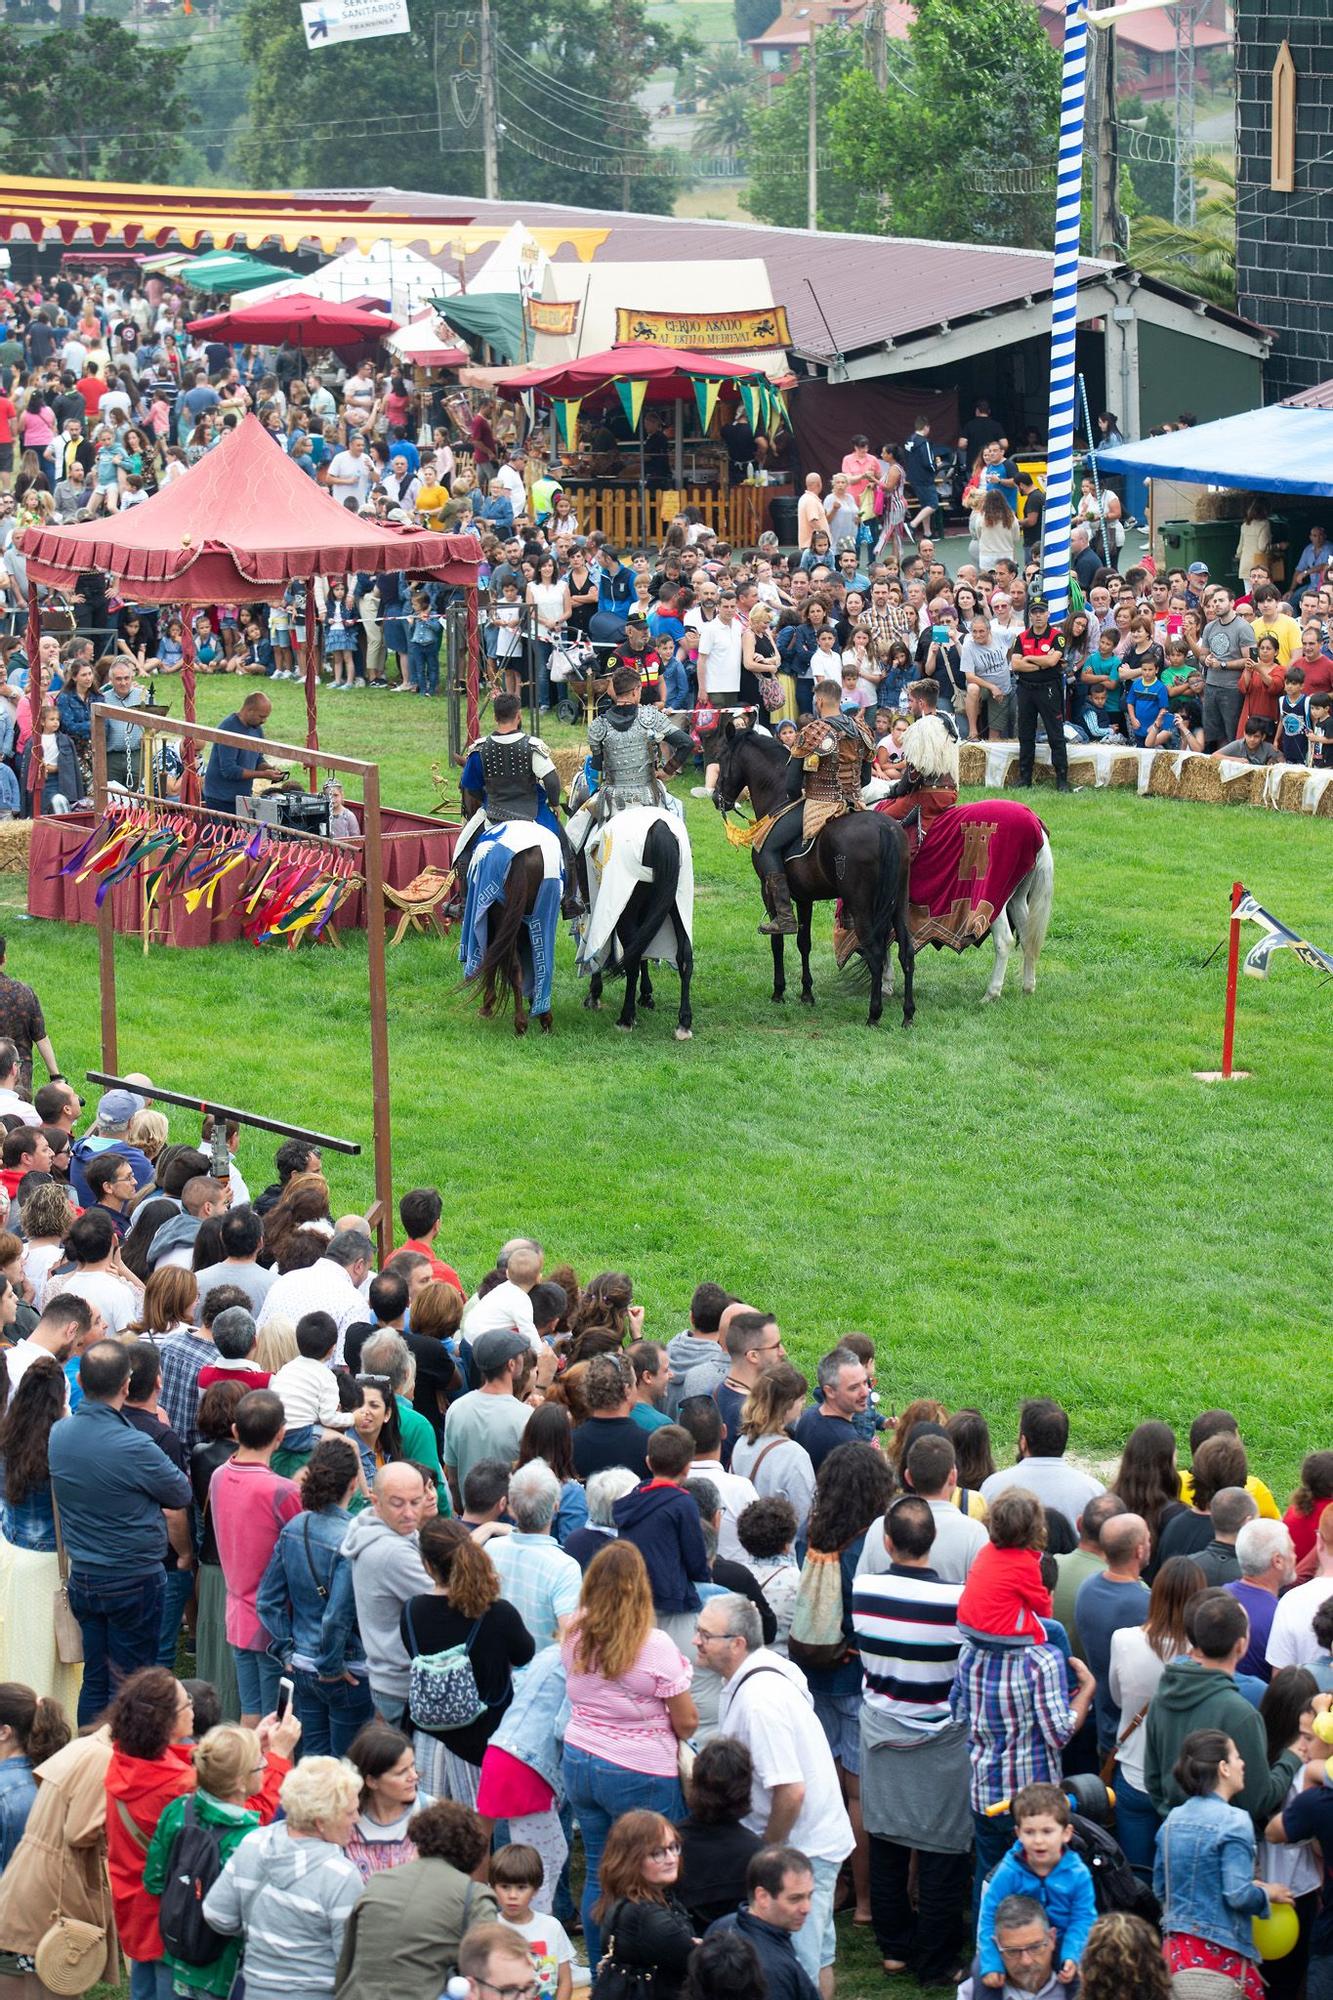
(663, 1523)
(1065, 1895)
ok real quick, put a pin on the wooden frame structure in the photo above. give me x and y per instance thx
(369, 774)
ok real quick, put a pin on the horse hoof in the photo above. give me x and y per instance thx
(684, 1034)
(546, 1022)
(647, 1002)
(593, 1006)
(988, 998)
(520, 1027)
(1029, 987)
(488, 1013)
(807, 999)
(778, 999)
(625, 1027)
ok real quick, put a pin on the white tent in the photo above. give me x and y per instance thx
(601, 289)
(517, 262)
(422, 344)
(403, 278)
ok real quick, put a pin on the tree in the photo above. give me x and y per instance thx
(778, 148)
(90, 103)
(571, 129)
(753, 16)
(1200, 258)
(1154, 131)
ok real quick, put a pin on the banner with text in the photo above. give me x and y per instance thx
(330, 21)
(560, 316)
(707, 333)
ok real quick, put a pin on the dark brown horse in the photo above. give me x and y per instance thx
(859, 859)
(501, 970)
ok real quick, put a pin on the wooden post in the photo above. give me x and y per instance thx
(379, 1008)
(33, 646)
(106, 916)
(1233, 968)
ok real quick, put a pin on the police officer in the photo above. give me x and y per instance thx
(1037, 660)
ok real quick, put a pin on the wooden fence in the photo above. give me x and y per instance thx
(737, 514)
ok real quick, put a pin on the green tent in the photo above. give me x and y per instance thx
(493, 317)
(231, 271)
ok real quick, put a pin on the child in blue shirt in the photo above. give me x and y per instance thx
(1148, 709)
(1293, 718)
(423, 645)
(1041, 1866)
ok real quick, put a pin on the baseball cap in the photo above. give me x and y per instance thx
(117, 1107)
(492, 1350)
(1197, 569)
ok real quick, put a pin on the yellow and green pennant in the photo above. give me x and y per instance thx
(631, 396)
(705, 395)
(750, 398)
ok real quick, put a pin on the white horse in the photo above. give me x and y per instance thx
(1024, 917)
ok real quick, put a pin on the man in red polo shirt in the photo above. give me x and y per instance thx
(1315, 663)
(419, 1212)
(92, 389)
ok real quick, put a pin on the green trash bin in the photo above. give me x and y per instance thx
(1211, 542)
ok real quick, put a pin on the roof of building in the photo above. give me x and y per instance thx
(1152, 33)
(1320, 397)
(794, 24)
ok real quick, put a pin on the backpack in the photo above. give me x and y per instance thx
(816, 1639)
(1115, 1886)
(193, 1866)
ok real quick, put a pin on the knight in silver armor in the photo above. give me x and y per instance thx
(509, 775)
(626, 744)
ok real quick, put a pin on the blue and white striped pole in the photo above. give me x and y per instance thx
(1064, 310)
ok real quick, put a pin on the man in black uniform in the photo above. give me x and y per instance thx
(1037, 660)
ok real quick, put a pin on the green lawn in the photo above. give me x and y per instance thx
(1035, 1197)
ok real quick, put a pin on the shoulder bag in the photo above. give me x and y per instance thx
(68, 1631)
(1109, 1760)
(72, 1955)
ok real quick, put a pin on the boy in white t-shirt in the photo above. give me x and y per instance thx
(516, 1875)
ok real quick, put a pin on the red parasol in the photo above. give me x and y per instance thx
(309, 321)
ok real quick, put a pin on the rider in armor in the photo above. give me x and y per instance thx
(833, 749)
(929, 784)
(507, 776)
(625, 745)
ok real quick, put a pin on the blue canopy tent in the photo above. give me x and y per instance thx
(1276, 450)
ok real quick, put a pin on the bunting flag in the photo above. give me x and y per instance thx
(631, 400)
(705, 395)
(1278, 938)
(750, 398)
(777, 409)
(567, 417)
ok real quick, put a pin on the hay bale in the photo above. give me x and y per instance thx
(1290, 790)
(1162, 780)
(971, 763)
(15, 846)
(1124, 772)
(1244, 788)
(1323, 805)
(1201, 779)
(1082, 772)
(568, 759)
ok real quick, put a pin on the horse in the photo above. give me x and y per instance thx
(509, 925)
(859, 858)
(1025, 917)
(647, 843)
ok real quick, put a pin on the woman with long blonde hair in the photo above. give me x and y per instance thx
(630, 1709)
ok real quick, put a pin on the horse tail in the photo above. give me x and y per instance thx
(503, 934)
(662, 855)
(891, 883)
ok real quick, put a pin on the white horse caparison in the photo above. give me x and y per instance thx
(1023, 920)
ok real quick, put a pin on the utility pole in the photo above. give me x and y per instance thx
(490, 115)
(812, 142)
(877, 44)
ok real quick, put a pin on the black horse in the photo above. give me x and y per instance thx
(501, 970)
(858, 858)
(650, 905)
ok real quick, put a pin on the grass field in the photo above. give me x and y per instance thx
(1030, 1198)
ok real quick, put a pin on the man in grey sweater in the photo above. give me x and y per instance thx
(379, 1568)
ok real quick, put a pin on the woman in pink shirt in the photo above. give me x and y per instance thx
(630, 1709)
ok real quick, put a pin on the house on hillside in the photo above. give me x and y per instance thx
(784, 42)
(1147, 46)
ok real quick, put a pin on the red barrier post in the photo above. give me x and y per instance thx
(1233, 968)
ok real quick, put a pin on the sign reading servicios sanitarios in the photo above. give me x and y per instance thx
(707, 333)
(330, 21)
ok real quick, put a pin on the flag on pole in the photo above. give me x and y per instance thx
(631, 400)
(705, 395)
(1278, 938)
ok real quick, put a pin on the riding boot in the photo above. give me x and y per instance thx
(777, 895)
(571, 902)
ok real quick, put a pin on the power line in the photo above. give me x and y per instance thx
(549, 81)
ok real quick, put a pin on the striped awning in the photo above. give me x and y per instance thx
(142, 215)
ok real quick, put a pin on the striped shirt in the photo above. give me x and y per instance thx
(906, 1626)
(1015, 1702)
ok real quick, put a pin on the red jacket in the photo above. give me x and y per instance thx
(1005, 1596)
(144, 1786)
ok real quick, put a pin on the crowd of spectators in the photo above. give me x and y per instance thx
(432, 1629)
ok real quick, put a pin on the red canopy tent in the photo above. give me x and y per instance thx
(300, 316)
(668, 372)
(241, 525)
